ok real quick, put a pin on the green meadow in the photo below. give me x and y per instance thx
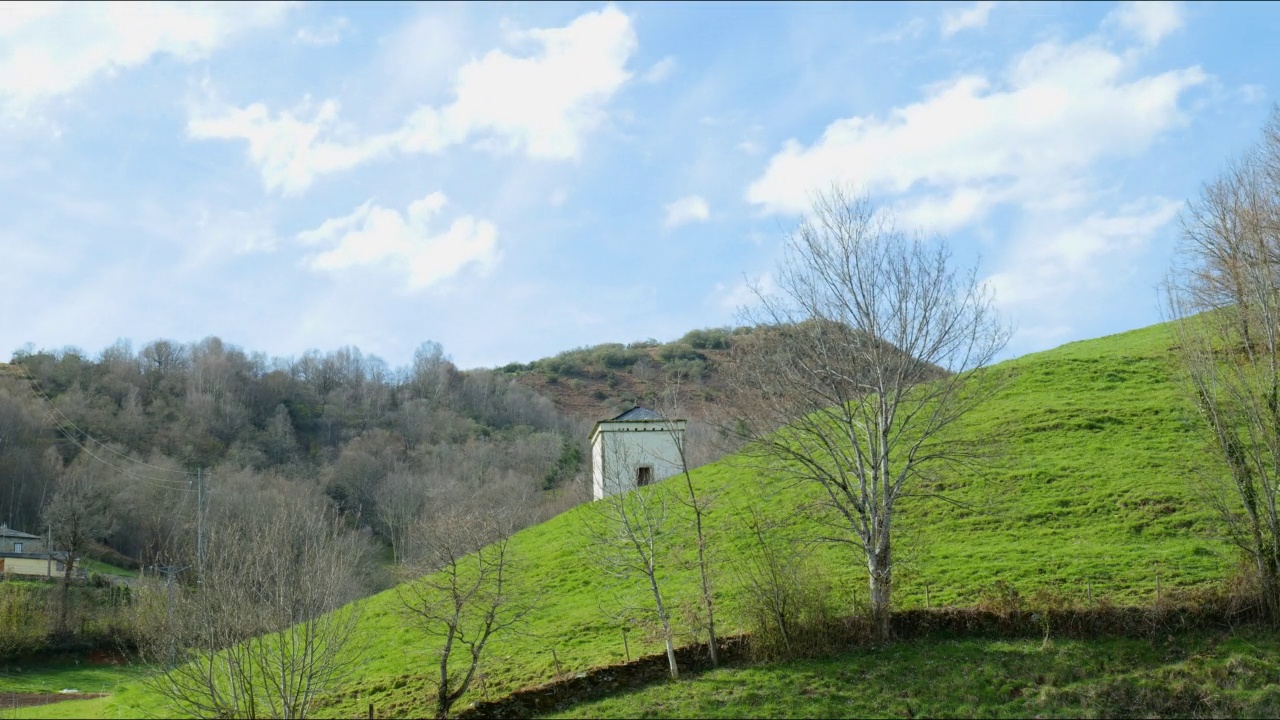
(1094, 492)
(1197, 676)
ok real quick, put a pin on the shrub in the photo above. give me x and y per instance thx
(679, 351)
(23, 619)
(616, 357)
(788, 602)
(711, 339)
(686, 369)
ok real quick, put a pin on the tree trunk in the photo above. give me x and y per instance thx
(881, 579)
(1270, 586)
(443, 690)
(707, 600)
(666, 626)
(66, 596)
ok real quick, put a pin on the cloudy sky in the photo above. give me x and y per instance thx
(513, 180)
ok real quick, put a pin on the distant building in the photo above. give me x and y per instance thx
(634, 449)
(16, 541)
(25, 554)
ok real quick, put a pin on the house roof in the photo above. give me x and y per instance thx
(638, 413)
(57, 555)
(9, 532)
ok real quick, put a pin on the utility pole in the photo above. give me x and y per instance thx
(201, 500)
(200, 526)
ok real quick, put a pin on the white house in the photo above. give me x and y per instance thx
(636, 448)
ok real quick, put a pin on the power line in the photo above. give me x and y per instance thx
(146, 479)
(39, 390)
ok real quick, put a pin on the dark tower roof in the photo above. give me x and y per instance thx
(638, 413)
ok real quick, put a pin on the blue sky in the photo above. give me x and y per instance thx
(512, 180)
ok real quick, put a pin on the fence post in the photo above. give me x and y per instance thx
(625, 648)
(1088, 588)
(556, 658)
(370, 711)
(927, 605)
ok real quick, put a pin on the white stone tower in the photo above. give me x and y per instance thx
(636, 448)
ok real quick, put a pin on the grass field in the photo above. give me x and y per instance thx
(1194, 676)
(1095, 489)
(73, 674)
(90, 565)
(54, 677)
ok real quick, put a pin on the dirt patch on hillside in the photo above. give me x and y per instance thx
(9, 700)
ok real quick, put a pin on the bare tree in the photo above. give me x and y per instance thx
(867, 354)
(699, 504)
(268, 628)
(468, 595)
(77, 516)
(402, 501)
(1224, 301)
(627, 533)
(1228, 237)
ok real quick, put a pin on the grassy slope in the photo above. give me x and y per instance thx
(1199, 676)
(1095, 487)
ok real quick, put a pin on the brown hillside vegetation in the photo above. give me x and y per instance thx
(601, 381)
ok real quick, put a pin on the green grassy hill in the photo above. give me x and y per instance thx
(1096, 487)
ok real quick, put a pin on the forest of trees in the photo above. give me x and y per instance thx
(384, 447)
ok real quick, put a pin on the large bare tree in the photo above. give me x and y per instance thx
(402, 500)
(670, 406)
(77, 516)
(1224, 300)
(268, 628)
(864, 357)
(627, 535)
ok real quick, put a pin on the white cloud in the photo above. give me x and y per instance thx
(52, 49)
(1037, 139)
(1071, 259)
(374, 236)
(743, 295)
(286, 148)
(660, 70)
(970, 18)
(941, 214)
(1251, 93)
(1149, 21)
(1049, 280)
(327, 33)
(686, 210)
(543, 104)
(1057, 112)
